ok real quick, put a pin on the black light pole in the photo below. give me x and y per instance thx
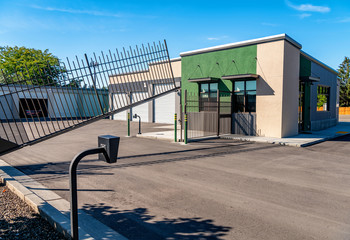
(138, 116)
(108, 151)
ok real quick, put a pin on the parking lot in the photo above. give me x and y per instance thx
(214, 189)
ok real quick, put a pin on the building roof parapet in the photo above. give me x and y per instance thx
(244, 43)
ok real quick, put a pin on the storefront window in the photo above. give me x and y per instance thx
(323, 98)
(244, 96)
(208, 90)
(208, 96)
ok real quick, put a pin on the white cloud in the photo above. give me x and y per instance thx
(308, 7)
(76, 11)
(345, 20)
(304, 15)
(216, 38)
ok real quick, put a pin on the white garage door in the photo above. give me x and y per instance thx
(120, 100)
(142, 109)
(164, 107)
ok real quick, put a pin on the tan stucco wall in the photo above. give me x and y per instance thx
(154, 72)
(269, 89)
(290, 90)
(176, 66)
(277, 89)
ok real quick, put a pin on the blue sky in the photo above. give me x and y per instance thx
(69, 28)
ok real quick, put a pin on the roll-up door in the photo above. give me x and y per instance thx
(120, 100)
(141, 110)
(164, 107)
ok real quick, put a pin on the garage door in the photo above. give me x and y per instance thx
(33, 107)
(164, 107)
(120, 100)
(141, 110)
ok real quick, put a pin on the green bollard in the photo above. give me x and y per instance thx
(185, 129)
(175, 131)
(128, 124)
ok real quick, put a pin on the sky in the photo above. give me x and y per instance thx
(72, 28)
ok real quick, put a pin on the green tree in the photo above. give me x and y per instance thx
(28, 66)
(344, 80)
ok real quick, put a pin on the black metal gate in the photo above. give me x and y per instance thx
(81, 91)
(209, 116)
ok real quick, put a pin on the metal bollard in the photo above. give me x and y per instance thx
(175, 128)
(185, 129)
(138, 116)
(128, 124)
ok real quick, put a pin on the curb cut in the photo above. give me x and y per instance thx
(52, 207)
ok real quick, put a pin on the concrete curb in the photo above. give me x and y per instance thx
(164, 136)
(52, 207)
(286, 141)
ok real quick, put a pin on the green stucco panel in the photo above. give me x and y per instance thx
(305, 66)
(217, 64)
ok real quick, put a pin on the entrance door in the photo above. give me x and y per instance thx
(304, 106)
(301, 106)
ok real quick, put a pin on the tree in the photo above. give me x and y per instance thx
(344, 80)
(28, 66)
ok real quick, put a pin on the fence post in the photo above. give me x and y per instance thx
(128, 124)
(218, 101)
(93, 78)
(175, 128)
(185, 115)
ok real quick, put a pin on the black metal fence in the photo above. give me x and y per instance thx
(43, 101)
(208, 116)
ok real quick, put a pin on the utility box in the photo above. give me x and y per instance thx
(111, 144)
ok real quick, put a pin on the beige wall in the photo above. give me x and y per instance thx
(154, 72)
(277, 89)
(290, 90)
(269, 88)
(176, 66)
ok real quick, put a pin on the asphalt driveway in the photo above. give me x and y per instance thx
(215, 189)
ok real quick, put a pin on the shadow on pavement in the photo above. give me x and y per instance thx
(345, 138)
(50, 171)
(139, 224)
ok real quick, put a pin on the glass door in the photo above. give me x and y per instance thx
(301, 105)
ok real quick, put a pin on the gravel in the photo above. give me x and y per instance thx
(19, 221)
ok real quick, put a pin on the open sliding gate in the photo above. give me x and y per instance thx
(42, 101)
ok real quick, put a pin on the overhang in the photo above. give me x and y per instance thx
(309, 79)
(208, 79)
(241, 77)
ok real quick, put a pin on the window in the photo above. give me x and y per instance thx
(244, 96)
(208, 90)
(208, 96)
(323, 98)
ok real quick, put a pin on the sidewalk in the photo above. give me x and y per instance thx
(167, 135)
(300, 140)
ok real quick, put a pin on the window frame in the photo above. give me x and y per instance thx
(205, 104)
(209, 89)
(245, 96)
(327, 93)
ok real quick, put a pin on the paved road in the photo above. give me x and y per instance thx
(215, 189)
